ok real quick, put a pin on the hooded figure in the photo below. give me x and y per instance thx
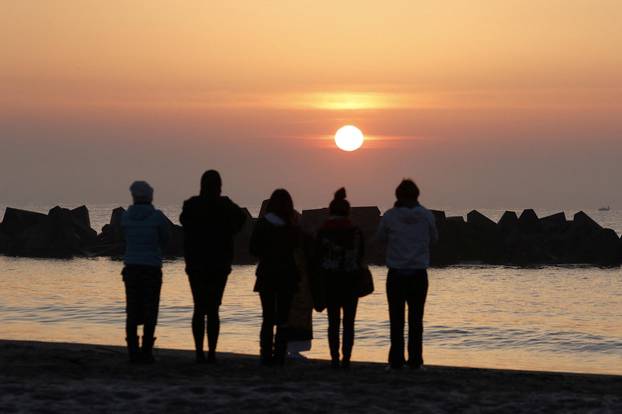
(146, 232)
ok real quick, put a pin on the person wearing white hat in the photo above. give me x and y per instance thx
(146, 232)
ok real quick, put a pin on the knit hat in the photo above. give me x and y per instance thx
(142, 192)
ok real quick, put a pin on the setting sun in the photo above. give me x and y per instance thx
(349, 138)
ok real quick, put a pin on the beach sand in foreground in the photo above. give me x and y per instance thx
(60, 377)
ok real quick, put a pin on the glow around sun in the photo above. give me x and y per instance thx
(349, 138)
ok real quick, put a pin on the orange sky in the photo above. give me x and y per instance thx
(228, 79)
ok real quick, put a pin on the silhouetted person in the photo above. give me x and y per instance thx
(275, 238)
(409, 229)
(210, 222)
(300, 321)
(339, 255)
(146, 232)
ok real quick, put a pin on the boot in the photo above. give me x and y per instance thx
(280, 345)
(147, 350)
(132, 349)
(280, 352)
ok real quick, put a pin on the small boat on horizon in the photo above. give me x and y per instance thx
(604, 208)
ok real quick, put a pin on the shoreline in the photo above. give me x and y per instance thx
(56, 376)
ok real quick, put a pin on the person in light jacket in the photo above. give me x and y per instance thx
(408, 229)
(146, 232)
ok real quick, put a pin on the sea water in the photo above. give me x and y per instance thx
(544, 318)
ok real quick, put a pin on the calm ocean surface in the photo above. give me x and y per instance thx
(548, 318)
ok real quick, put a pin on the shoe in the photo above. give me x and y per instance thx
(211, 357)
(415, 366)
(278, 361)
(334, 364)
(345, 364)
(200, 357)
(147, 351)
(133, 350)
(392, 368)
(265, 360)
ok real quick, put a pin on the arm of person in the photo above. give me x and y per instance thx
(433, 229)
(382, 234)
(256, 245)
(164, 230)
(361, 251)
(318, 251)
(123, 225)
(183, 217)
(237, 216)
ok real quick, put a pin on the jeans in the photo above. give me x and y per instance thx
(334, 308)
(142, 298)
(406, 287)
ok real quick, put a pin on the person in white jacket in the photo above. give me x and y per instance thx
(408, 229)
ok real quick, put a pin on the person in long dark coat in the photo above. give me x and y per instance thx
(274, 241)
(210, 222)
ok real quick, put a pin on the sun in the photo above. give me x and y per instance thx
(349, 138)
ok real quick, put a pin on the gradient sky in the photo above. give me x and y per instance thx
(484, 103)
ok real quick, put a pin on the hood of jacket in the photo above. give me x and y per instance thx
(410, 215)
(274, 220)
(140, 212)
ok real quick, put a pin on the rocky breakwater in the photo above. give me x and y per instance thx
(516, 239)
(61, 233)
(525, 240)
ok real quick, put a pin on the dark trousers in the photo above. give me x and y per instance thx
(207, 288)
(406, 288)
(334, 308)
(142, 299)
(275, 308)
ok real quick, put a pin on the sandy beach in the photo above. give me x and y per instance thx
(61, 377)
